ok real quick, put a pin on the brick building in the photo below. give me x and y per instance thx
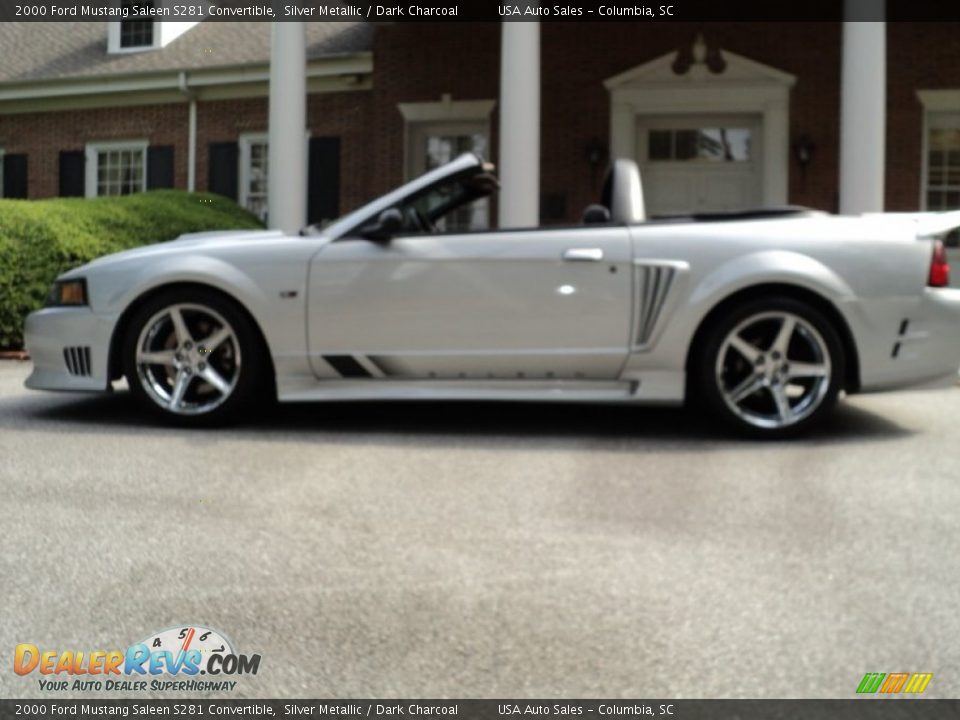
(719, 115)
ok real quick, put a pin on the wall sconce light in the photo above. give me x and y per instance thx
(803, 150)
(596, 153)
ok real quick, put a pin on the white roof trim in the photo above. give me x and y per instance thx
(358, 64)
(738, 68)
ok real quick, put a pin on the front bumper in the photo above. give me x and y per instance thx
(69, 347)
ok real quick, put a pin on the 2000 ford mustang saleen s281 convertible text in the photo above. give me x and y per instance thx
(766, 316)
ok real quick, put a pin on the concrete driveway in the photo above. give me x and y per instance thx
(472, 550)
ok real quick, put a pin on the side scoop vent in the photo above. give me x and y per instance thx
(653, 285)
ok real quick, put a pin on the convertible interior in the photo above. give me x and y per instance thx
(621, 203)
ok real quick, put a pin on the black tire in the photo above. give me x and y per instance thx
(813, 346)
(240, 361)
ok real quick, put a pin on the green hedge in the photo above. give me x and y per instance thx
(39, 239)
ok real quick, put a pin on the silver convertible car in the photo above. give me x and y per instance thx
(764, 317)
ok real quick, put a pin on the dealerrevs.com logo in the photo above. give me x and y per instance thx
(183, 653)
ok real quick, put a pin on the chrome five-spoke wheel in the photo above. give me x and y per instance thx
(196, 357)
(771, 366)
(188, 359)
(773, 369)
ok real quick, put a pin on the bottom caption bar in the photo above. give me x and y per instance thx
(878, 709)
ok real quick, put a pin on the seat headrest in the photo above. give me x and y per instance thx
(595, 215)
(623, 193)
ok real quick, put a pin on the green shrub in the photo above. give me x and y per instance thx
(39, 239)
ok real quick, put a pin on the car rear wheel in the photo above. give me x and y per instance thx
(772, 367)
(192, 357)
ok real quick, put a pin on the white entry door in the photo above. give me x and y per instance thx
(700, 163)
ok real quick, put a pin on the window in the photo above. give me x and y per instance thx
(136, 33)
(1, 172)
(724, 144)
(254, 174)
(943, 162)
(941, 181)
(438, 132)
(116, 168)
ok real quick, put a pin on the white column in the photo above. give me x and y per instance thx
(192, 146)
(863, 110)
(776, 152)
(519, 198)
(287, 170)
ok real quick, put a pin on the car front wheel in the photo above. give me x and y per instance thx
(192, 356)
(772, 367)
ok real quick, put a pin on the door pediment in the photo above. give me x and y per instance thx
(737, 69)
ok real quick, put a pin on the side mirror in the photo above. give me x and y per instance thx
(388, 223)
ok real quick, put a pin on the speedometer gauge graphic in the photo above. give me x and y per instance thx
(190, 637)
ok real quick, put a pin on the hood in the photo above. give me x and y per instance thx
(223, 235)
(189, 242)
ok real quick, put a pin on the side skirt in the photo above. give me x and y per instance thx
(304, 390)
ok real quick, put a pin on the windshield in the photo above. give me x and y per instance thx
(458, 205)
(448, 198)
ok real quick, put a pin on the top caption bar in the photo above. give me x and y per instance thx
(479, 11)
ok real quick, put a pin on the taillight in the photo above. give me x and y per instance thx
(939, 267)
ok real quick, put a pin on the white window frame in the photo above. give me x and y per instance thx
(937, 104)
(243, 172)
(94, 148)
(446, 117)
(244, 141)
(113, 39)
(933, 121)
(418, 115)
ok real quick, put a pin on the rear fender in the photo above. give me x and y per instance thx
(770, 267)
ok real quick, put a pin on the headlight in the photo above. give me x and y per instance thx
(68, 292)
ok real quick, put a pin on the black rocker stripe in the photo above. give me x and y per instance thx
(377, 362)
(346, 366)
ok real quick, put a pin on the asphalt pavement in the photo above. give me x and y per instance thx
(483, 550)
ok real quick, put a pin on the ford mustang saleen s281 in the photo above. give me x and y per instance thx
(765, 316)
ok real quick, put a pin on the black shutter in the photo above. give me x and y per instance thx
(14, 176)
(72, 164)
(323, 179)
(159, 167)
(222, 171)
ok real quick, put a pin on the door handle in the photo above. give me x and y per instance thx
(583, 255)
